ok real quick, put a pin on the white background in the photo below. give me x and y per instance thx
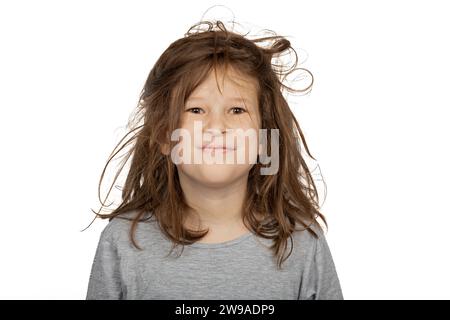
(376, 121)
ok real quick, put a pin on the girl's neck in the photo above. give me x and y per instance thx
(218, 207)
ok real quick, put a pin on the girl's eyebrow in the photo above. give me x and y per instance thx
(232, 99)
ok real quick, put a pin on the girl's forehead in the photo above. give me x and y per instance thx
(231, 84)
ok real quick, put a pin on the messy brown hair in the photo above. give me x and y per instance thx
(283, 200)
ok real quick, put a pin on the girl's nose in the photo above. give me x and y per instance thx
(215, 123)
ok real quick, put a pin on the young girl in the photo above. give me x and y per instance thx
(247, 230)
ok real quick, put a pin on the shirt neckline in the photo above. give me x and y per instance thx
(222, 244)
(213, 245)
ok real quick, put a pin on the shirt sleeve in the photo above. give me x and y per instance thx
(105, 279)
(322, 282)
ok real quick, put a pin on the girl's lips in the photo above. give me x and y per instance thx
(206, 146)
(223, 149)
(218, 148)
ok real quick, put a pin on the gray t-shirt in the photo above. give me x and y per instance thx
(241, 268)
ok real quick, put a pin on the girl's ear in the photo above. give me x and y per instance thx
(165, 149)
(165, 146)
(260, 147)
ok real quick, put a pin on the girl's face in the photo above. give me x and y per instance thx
(222, 128)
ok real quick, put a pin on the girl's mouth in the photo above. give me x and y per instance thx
(216, 148)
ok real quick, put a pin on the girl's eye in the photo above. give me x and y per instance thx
(236, 110)
(196, 109)
(240, 110)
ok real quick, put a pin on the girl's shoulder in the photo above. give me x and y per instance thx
(302, 231)
(305, 238)
(119, 227)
